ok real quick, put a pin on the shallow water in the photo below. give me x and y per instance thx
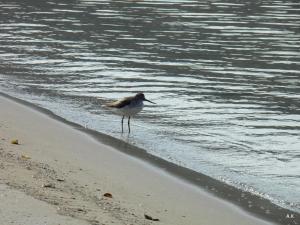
(225, 76)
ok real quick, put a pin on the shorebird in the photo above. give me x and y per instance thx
(129, 106)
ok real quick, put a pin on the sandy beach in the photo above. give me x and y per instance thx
(57, 174)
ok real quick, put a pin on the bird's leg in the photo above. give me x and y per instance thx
(129, 124)
(122, 123)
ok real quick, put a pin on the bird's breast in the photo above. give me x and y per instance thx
(132, 109)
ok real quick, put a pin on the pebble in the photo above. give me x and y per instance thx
(150, 218)
(60, 179)
(48, 185)
(108, 195)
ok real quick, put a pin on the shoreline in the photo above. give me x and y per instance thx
(260, 208)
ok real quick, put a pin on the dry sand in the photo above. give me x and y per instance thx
(58, 175)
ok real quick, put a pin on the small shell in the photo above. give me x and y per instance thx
(14, 142)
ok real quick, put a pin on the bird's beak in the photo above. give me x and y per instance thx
(149, 101)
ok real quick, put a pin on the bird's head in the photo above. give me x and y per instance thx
(141, 96)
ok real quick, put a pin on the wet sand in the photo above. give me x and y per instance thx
(65, 172)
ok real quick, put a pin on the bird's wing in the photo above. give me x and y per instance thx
(120, 104)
